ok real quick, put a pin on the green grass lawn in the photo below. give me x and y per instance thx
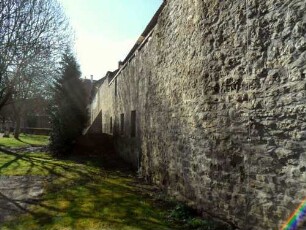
(81, 196)
(24, 140)
(82, 193)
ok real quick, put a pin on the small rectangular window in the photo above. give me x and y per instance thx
(122, 123)
(116, 87)
(111, 125)
(101, 123)
(133, 123)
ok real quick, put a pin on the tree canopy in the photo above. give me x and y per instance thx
(33, 34)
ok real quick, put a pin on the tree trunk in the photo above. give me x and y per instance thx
(17, 127)
(4, 99)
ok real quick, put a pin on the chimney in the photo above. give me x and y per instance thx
(91, 78)
(120, 64)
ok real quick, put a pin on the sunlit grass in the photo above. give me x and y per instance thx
(83, 193)
(24, 140)
(81, 196)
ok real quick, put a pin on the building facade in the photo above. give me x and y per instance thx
(210, 104)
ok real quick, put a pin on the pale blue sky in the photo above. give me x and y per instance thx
(106, 30)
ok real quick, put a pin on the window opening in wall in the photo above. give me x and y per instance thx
(101, 122)
(111, 125)
(115, 87)
(133, 123)
(122, 123)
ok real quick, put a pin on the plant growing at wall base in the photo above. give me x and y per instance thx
(68, 108)
(189, 219)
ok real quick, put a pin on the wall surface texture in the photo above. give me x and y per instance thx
(219, 91)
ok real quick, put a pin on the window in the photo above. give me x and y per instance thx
(101, 122)
(116, 87)
(111, 125)
(122, 123)
(133, 123)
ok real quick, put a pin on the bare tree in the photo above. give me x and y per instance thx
(32, 35)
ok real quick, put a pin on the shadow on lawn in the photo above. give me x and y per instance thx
(79, 194)
(28, 143)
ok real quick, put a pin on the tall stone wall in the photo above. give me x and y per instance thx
(219, 95)
(107, 95)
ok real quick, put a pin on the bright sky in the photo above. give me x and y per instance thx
(106, 30)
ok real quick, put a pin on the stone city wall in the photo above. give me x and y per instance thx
(218, 89)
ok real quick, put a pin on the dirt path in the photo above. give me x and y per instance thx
(17, 193)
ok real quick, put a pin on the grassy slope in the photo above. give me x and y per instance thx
(24, 140)
(82, 196)
(86, 193)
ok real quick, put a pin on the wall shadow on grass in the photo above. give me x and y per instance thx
(80, 194)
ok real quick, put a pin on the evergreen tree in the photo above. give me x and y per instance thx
(68, 110)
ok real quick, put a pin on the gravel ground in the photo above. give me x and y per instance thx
(17, 193)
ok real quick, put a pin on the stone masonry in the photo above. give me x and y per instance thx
(210, 104)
